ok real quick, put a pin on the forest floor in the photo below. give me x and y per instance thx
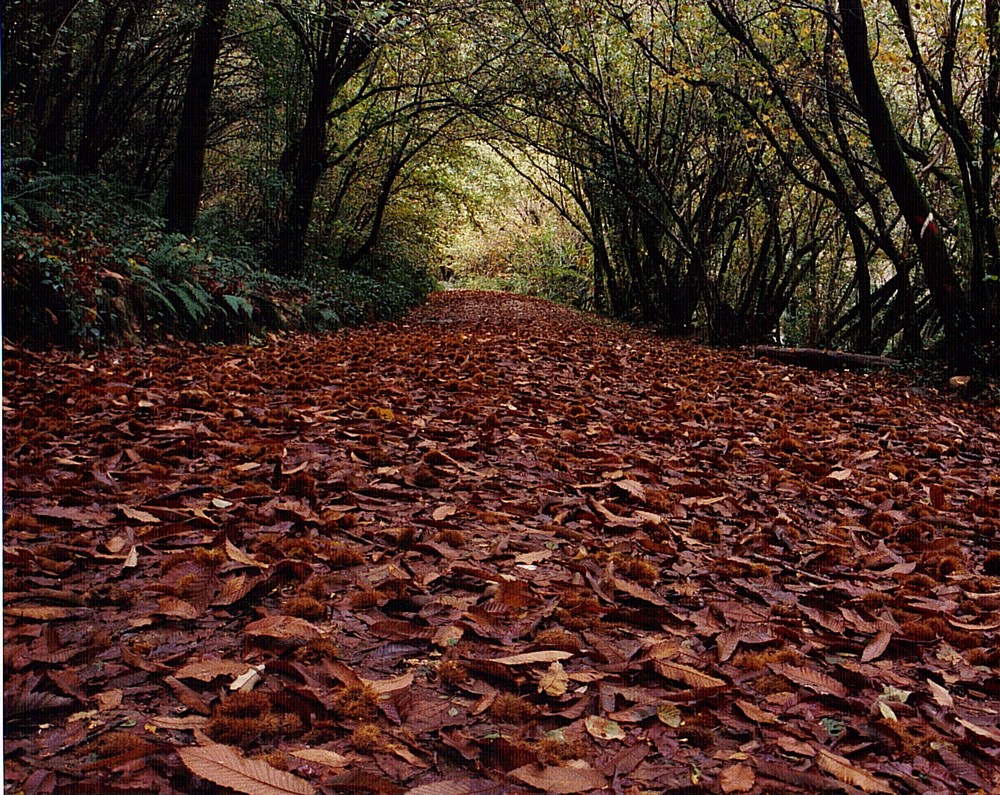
(496, 547)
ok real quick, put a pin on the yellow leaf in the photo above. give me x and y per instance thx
(670, 715)
(555, 681)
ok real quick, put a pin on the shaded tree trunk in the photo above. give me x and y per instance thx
(186, 177)
(339, 55)
(939, 271)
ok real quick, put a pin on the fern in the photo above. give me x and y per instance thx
(194, 298)
(239, 304)
(144, 279)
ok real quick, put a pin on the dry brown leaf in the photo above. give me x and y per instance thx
(442, 512)
(687, 674)
(322, 756)
(808, 677)
(530, 657)
(207, 670)
(755, 713)
(737, 778)
(239, 556)
(941, 695)
(457, 788)
(283, 628)
(137, 515)
(793, 745)
(386, 686)
(186, 723)
(172, 607)
(34, 613)
(985, 732)
(447, 635)
(109, 699)
(877, 647)
(222, 765)
(632, 487)
(842, 769)
(575, 777)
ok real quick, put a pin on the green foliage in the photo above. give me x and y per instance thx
(545, 264)
(86, 262)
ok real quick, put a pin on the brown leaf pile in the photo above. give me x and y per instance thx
(498, 547)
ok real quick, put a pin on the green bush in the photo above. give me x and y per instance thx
(544, 264)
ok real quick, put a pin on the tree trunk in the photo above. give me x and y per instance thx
(939, 272)
(340, 55)
(186, 177)
(816, 359)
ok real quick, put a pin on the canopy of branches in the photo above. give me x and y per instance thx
(711, 165)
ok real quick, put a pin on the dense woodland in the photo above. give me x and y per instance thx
(497, 546)
(810, 173)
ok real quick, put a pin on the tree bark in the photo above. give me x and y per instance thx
(340, 55)
(946, 292)
(816, 359)
(186, 177)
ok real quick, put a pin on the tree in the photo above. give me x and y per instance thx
(336, 41)
(185, 185)
(946, 291)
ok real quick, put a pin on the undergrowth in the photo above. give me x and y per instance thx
(87, 261)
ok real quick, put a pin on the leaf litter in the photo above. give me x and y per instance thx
(496, 547)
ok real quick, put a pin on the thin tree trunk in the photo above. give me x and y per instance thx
(187, 175)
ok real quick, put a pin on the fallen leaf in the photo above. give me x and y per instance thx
(755, 713)
(603, 729)
(842, 769)
(737, 778)
(223, 766)
(207, 670)
(322, 756)
(670, 715)
(283, 628)
(877, 647)
(385, 687)
(442, 512)
(109, 699)
(575, 777)
(555, 681)
(687, 674)
(940, 695)
(248, 680)
(137, 515)
(533, 657)
(807, 677)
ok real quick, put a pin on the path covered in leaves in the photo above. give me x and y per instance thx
(498, 547)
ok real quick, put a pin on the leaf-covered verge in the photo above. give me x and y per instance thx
(87, 262)
(496, 547)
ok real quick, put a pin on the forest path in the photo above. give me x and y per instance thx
(499, 541)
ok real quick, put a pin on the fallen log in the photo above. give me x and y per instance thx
(816, 359)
